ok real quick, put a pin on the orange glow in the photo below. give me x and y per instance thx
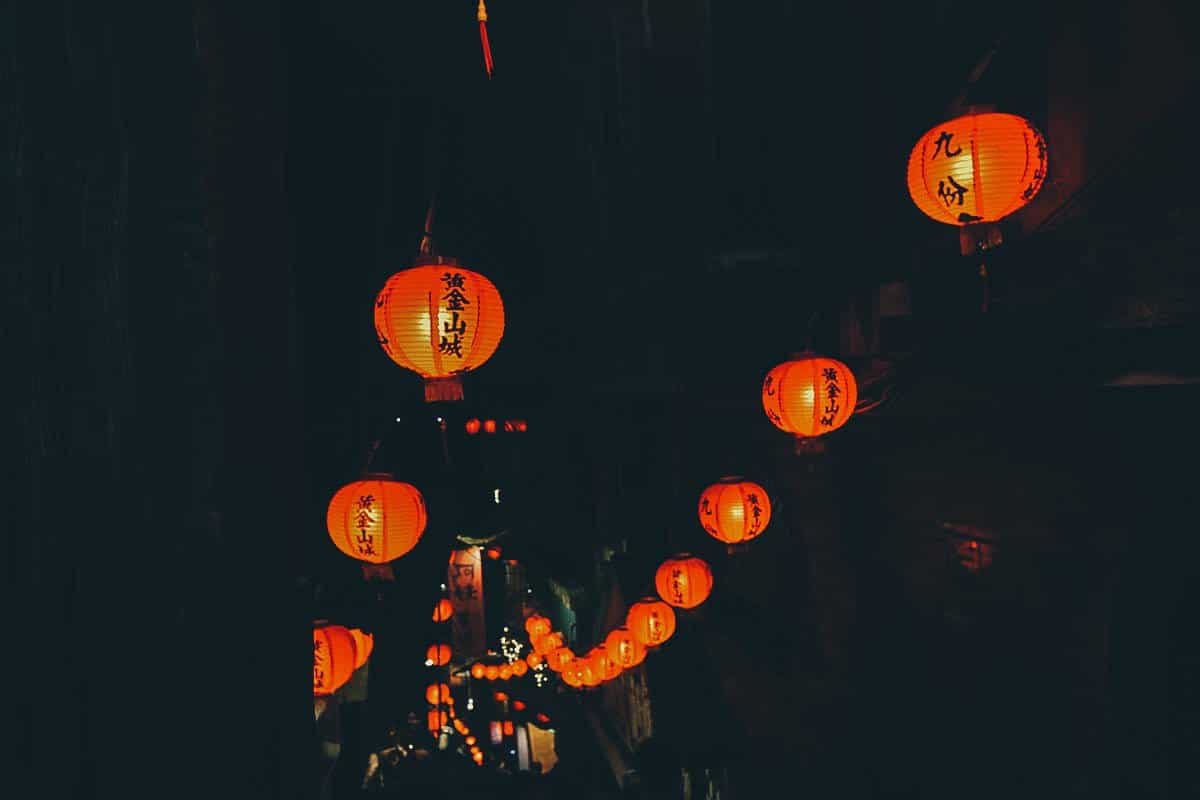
(605, 668)
(436, 720)
(439, 654)
(500, 697)
(572, 675)
(477, 670)
(519, 668)
(376, 520)
(492, 672)
(522, 426)
(518, 705)
(364, 643)
(508, 727)
(809, 396)
(977, 168)
(477, 757)
(651, 621)
(537, 625)
(489, 426)
(439, 320)
(533, 659)
(473, 425)
(493, 553)
(443, 611)
(505, 672)
(438, 693)
(623, 648)
(333, 658)
(470, 740)
(684, 581)
(734, 510)
(559, 658)
(546, 644)
(542, 718)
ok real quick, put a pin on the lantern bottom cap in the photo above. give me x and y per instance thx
(443, 390)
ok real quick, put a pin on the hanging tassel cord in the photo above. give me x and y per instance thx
(426, 248)
(481, 15)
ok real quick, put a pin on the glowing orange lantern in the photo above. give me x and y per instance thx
(489, 426)
(559, 658)
(537, 625)
(542, 718)
(547, 644)
(684, 581)
(473, 425)
(438, 654)
(333, 658)
(437, 720)
(519, 668)
(500, 697)
(979, 167)
(477, 670)
(518, 705)
(651, 621)
(508, 727)
(604, 667)
(443, 611)
(377, 519)
(437, 693)
(364, 643)
(492, 672)
(440, 321)
(623, 648)
(571, 675)
(477, 757)
(734, 510)
(470, 741)
(533, 659)
(505, 672)
(809, 396)
(493, 553)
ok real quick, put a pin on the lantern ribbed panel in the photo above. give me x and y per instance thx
(810, 396)
(684, 581)
(427, 322)
(364, 643)
(519, 667)
(559, 658)
(624, 648)
(436, 693)
(734, 511)
(443, 611)
(572, 675)
(334, 656)
(651, 621)
(439, 654)
(376, 520)
(604, 667)
(537, 625)
(977, 168)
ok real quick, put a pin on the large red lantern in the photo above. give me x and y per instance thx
(684, 581)
(623, 648)
(377, 519)
(651, 621)
(537, 625)
(734, 510)
(440, 321)
(333, 658)
(976, 168)
(438, 654)
(364, 643)
(809, 396)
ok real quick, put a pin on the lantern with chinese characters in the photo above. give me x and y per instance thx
(536, 626)
(443, 611)
(519, 668)
(734, 510)
(809, 396)
(364, 643)
(438, 654)
(651, 621)
(684, 581)
(624, 648)
(546, 644)
(334, 658)
(977, 168)
(438, 693)
(559, 658)
(604, 667)
(440, 321)
(572, 674)
(377, 519)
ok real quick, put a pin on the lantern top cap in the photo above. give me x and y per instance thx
(977, 108)
(427, 260)
(378, 476)
(731, 479)
(682, 555)
(320, 623)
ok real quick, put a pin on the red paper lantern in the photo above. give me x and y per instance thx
(537, 625)
(979, 167)
(651, 621)
(546, 644)
(364, 643)
(533, 660)
(604, 667)
(437, 693)
(443, 611)
(473, 425)
(491, 672)
(478, 670)
(439, 654)
(518, 705)
(505, 672)
(437, 720)
(559, 658)
(684, 581)
(493, 553)
(734, 510)
(489, 426)
(623, 648)
(440, 321)
(377, 519)
(809, 396)
(519, 668)
(333, 658)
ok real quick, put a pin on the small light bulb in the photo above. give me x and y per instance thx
(397, 419)
(443, 587)
(496, 496)
(439, 419)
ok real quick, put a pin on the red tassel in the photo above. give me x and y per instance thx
(487, 48)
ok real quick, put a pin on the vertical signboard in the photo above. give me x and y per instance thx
(466, 596)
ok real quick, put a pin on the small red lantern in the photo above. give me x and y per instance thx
(684, 581)
(489, 426)
(333, 658)
(734, 510)
(559, 658)
(546, 644)
(438, 693)
(473, 425)
(500, 697)
(518, 705)
(493, 553)
(443, 611)
(533, 660)
(492, 672)
(809, 396)
(505, 672)
(377, 519)
(508, 727)
(651, 621)
(519, 668)
(438, 654)
(537, 625)
(623, 648)
(605, 668)
(437, 720)
(478, 670)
